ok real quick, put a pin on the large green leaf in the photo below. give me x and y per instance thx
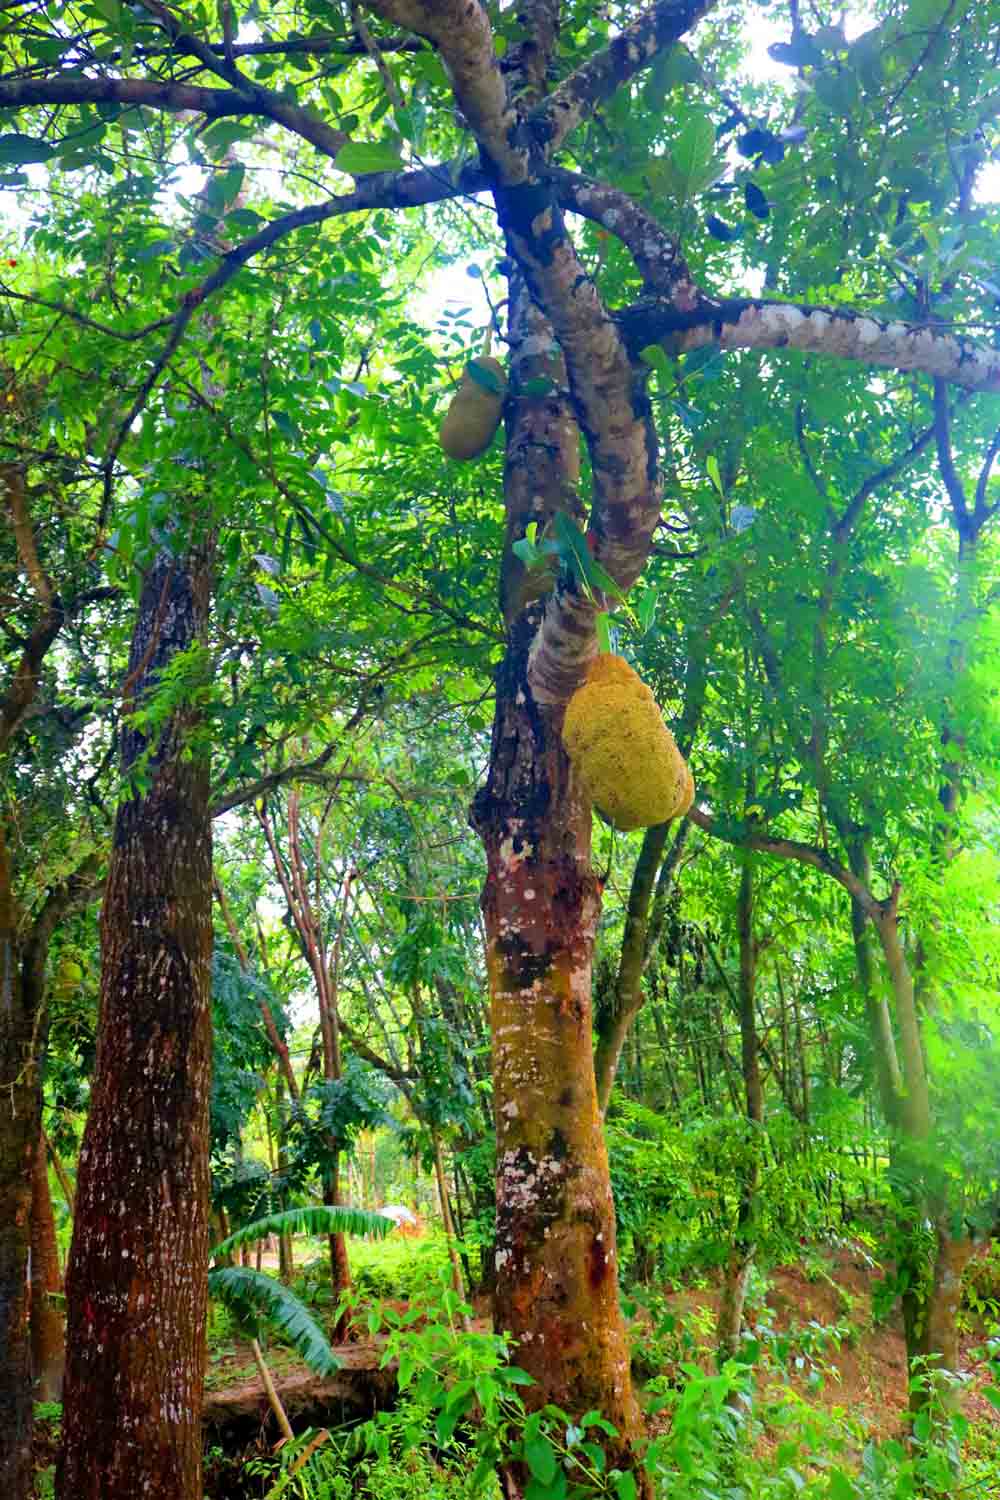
(359, 157)
(318, 1218)
(18, 150)
(251, 1296)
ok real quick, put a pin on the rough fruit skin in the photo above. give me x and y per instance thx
(622, 751)
(474, 414)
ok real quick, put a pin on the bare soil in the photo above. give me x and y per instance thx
(865, 1373)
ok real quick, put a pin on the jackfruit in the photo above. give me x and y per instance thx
(474, 414)
(623, 753)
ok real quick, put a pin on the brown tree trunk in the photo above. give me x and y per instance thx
(20, 1116)
(136, 1280)
(24, 945)
(556, 1260)
(628, 997)
(48, 1341)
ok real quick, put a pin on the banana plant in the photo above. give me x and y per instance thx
(252, 1297)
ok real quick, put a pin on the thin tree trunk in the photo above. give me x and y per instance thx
(270, 1390)
(448, 1222)
(20, 1116)
(627, 996)
(48, 1339)
(136, 1282)
(887, 1070)
(62, 1177)
(24, 945)
(741, 1254)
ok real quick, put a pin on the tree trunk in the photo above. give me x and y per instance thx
(20, 1117)
(556, 1260)
(627, 998)
(447, 1221)
(136, 1281)
(340, 1265)
(48, 1341)
(944, 1299)
(24, 945)
(741, 1254)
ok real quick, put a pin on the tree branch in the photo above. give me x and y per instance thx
(655, 252)
(982, 511)
(460, 30)
(754, 323)
(946, 460)
(604, 73)
(806, 854)
(248, 99)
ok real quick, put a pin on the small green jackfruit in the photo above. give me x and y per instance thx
(474, 414)
(622, 751)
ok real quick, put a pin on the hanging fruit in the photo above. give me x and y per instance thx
(623, 753)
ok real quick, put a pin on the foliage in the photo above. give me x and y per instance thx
(252, 1296)
(313, 1219)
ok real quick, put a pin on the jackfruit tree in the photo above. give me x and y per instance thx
(646, 210)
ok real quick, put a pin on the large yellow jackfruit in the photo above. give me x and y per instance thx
(474, 414)
(622, 751)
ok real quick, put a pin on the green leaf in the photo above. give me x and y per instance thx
(655, 356)
(251, 1295)
(693, 156)
(18, 150)
(540, 1456)
(484, 376)
(111, 11)
(625, 1486)
(244, 218)
(445, 1424)
(712, 467)
(841, 1487)
(603, 627)
(317, 1218)
(645, 610)
(359, 157)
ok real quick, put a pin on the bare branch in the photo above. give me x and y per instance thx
(807, 854)
(12, 482)
(126, 336)
(656, 253)
(756, 323)
(604, 73)
(983, 512)
(248, 99)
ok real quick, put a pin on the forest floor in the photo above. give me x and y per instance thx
(815, 1316)
(838, 1358)
(821, 1354)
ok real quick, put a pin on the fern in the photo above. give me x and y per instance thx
(316, 1218)
(251, 1295)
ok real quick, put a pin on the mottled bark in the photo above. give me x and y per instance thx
(556, 1262)
(887, 1071)
(837, 333)
(48, 1340)
(136, 1280)
(944, 1299)
(556, 1258)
